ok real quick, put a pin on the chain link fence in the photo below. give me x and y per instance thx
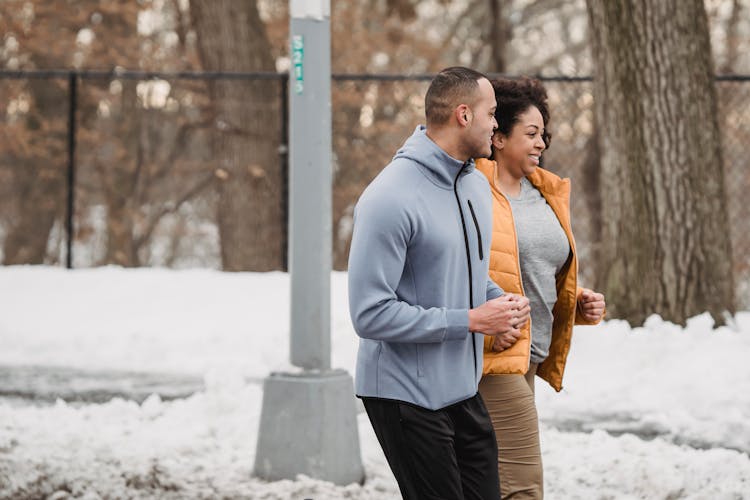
(150, 181)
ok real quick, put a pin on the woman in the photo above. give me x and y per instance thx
(533, 254)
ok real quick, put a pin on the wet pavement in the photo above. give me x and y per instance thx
(45, 384)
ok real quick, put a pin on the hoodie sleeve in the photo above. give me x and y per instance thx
(493, 290)
(382, 232)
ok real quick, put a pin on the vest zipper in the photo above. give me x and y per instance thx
(518, 264)
(518, 253)
(479, 232)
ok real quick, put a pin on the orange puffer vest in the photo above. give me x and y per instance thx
(505, 270)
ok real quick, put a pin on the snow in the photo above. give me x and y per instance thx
(658, 411)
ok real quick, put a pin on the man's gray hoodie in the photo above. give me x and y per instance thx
(418, 262)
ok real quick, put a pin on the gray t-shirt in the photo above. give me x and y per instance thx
(543, 251)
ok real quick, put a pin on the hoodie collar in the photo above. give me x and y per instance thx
(436, 164)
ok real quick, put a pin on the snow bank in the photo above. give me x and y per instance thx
(654, 412)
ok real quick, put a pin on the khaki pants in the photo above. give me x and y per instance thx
(510, 403)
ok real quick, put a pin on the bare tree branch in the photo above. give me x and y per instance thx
(172, 208)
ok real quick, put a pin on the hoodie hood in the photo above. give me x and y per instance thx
(440, 167)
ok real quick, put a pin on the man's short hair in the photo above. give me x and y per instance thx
(451, 87)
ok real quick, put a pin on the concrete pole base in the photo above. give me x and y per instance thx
(308, 426)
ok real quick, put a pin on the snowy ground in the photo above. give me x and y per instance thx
(656, 412)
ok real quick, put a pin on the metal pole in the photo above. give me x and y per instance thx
(308, 421)
(310, 186)
(70, 209)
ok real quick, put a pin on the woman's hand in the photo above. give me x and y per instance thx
(505, 341)
(591, 305)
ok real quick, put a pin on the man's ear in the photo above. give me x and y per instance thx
(463, 115)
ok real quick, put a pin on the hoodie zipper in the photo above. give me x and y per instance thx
(468, 252)
(479, 232)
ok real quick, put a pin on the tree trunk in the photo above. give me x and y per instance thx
(40, 178)
(665, 234)
(231, 37)
(121, 181)
(499, 35)
(591, 183)
(732, 38)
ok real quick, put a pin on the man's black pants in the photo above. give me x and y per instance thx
(446, 454)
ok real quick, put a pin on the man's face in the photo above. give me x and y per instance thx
(482, 124)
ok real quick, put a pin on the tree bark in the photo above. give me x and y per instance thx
(119, 163)
(499, 36)
(232, 37)
(732, 38)
(41, 177)
(591, 184)
(665, 234)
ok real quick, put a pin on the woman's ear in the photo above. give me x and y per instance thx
(498, 141)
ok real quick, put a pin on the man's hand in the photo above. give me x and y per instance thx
(503, 315)
(591, 305)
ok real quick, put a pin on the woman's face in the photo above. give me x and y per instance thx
(520, 151)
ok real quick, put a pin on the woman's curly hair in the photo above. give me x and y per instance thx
(514, 97)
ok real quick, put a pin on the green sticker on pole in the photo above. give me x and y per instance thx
(298, 55)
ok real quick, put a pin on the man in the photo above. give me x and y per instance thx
(420, 297)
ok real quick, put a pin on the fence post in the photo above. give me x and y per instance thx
(284, 165)
(69, 228)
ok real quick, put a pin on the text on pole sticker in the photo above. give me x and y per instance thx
(298, 55)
